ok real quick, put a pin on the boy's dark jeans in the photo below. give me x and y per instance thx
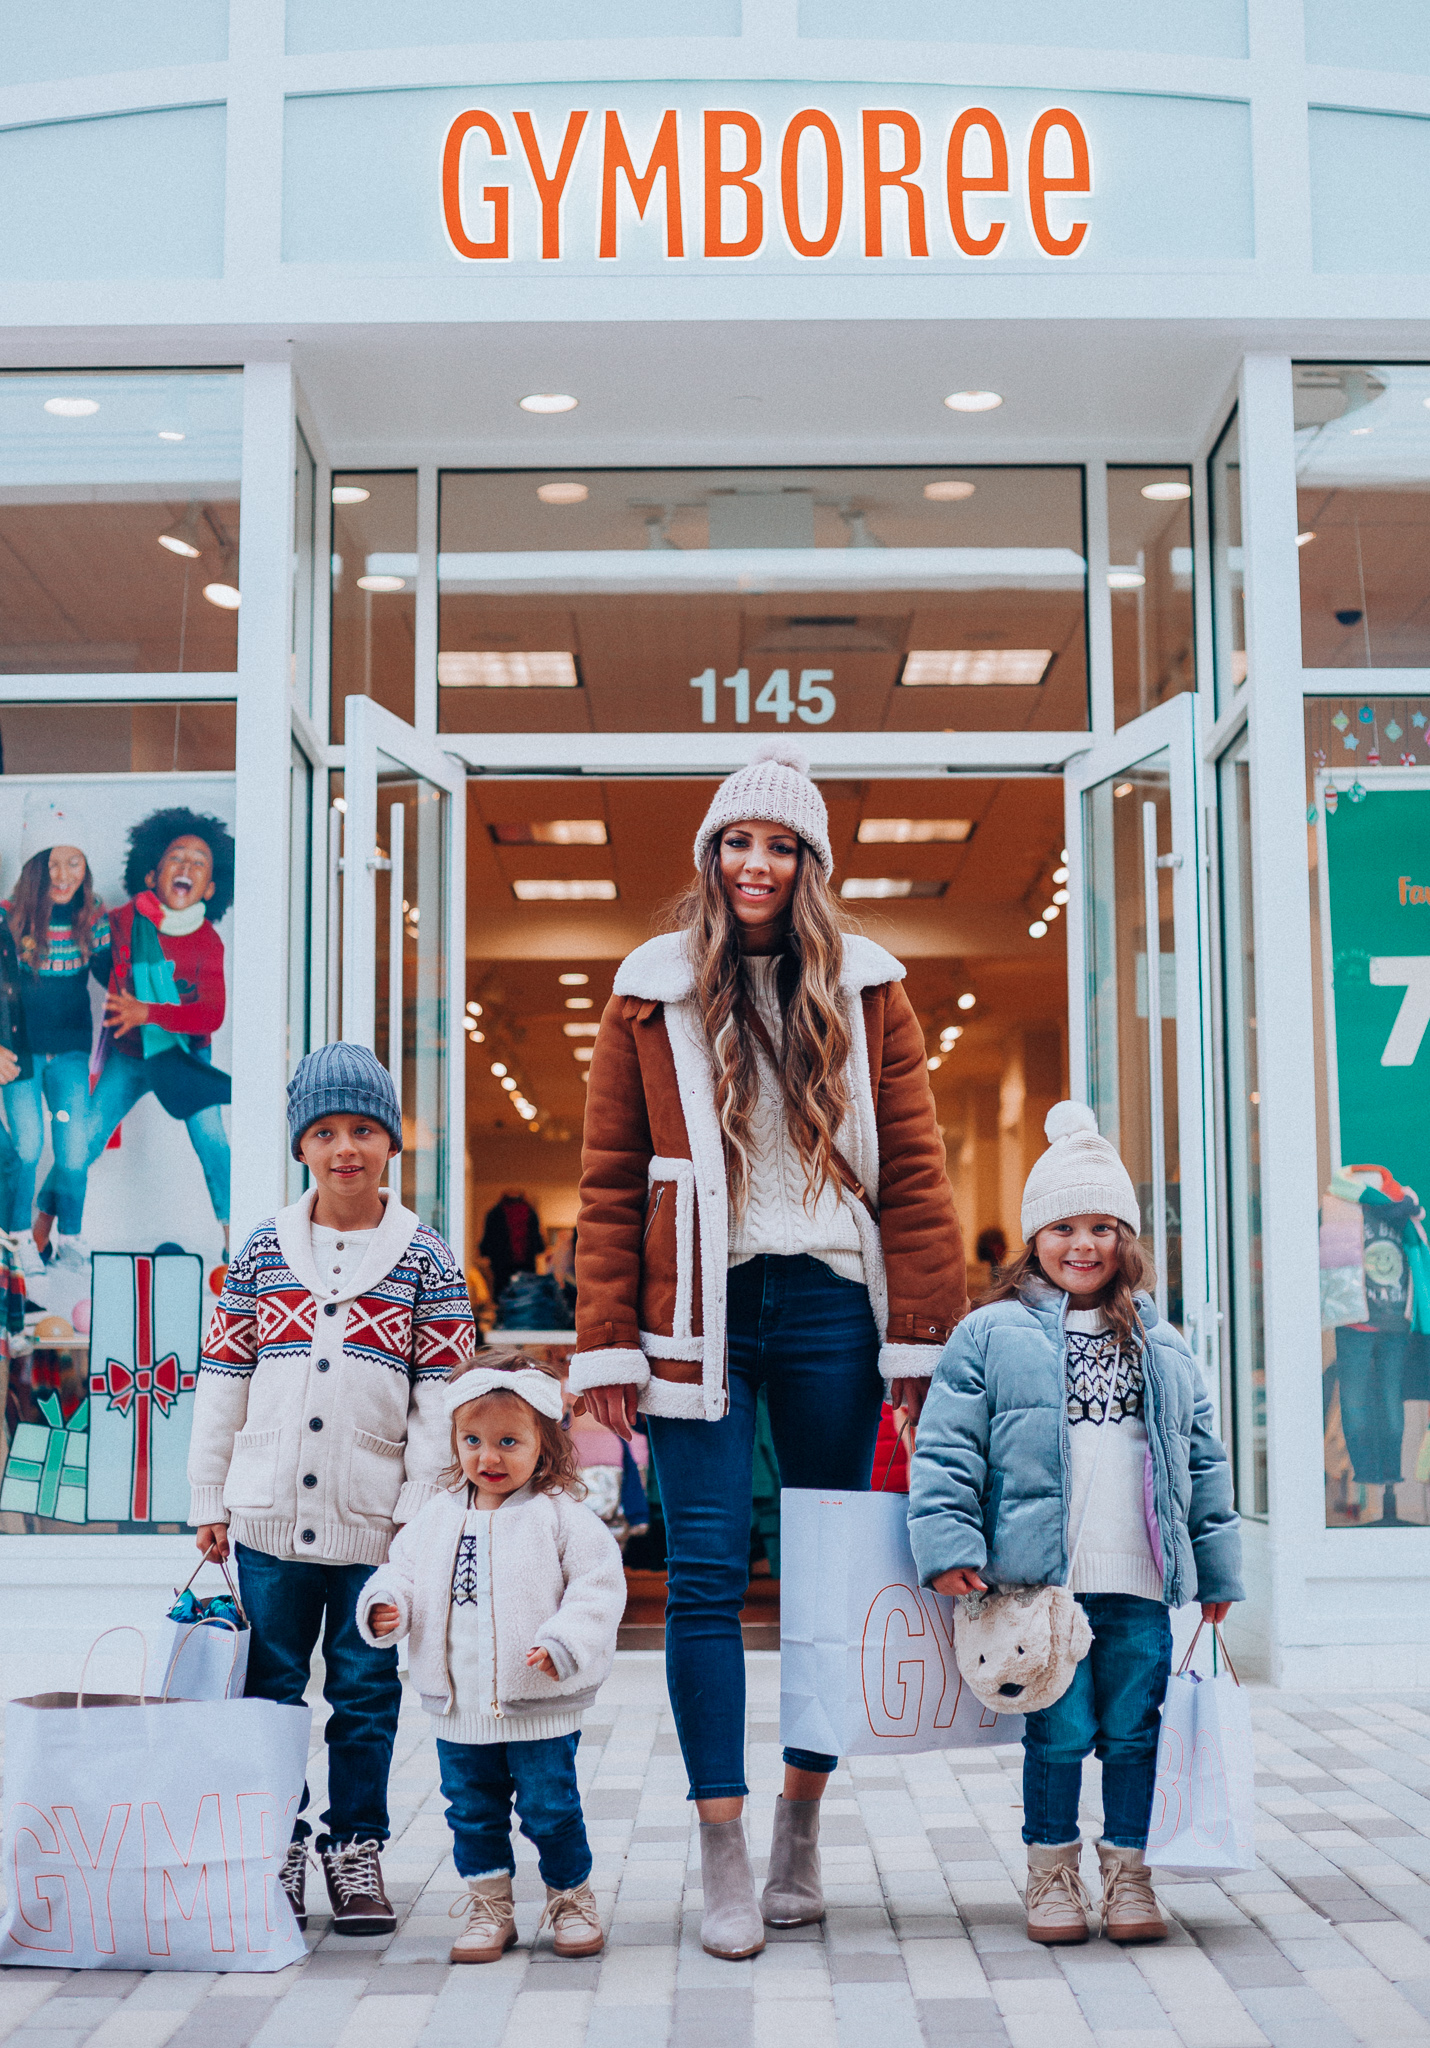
(289, 1604)
(1113, 1706)
(480, 1780)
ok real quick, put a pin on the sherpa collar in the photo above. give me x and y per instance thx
(660, 970)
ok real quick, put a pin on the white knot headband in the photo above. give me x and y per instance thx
(538, 1389)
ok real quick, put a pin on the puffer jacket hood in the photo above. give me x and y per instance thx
(988, 1484)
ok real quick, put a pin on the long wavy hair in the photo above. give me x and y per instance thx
(1133, 1275)
(814, 1064)
(29, 912)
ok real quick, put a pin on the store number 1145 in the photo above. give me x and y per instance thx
(811, 701)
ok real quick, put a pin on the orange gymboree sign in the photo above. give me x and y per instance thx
(801, 184)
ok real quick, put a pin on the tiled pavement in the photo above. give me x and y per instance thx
(1323, 1945)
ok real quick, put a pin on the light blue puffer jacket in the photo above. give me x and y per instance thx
(988, 1483)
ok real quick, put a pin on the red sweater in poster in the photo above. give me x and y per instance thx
(197, 960)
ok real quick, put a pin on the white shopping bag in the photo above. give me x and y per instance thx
(1204, 1802)
(866, 1654)
(205, 1660)
(148, 1834)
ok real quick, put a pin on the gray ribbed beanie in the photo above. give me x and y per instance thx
(342, 1080)
(1080, 1174)
(777, 790)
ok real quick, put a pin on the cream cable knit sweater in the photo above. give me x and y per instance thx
(778, 1219)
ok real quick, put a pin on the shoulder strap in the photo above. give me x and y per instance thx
(849, 1179)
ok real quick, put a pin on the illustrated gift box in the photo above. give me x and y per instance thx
(143, 1367)
(45, 1471)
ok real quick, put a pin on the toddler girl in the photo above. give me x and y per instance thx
(1067, 1420)
(511, 1593)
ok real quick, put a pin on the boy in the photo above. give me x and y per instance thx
(319, 1425)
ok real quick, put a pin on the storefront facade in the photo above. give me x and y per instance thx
(393, 419)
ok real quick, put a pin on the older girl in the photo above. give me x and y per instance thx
(763, 1202)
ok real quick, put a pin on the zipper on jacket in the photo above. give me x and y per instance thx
(654, 1209)
(492, 1603)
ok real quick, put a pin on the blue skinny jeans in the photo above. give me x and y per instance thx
(809, 1338)
(59, 1083)
(480, 1782)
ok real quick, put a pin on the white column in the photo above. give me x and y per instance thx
(258, 970)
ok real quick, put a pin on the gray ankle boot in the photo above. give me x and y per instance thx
(730, 1925)
(793, 1895)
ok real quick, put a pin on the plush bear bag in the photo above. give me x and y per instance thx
(1019, 1647)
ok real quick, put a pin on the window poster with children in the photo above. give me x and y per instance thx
(115, 901)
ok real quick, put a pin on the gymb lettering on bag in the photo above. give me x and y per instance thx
(867, 1665)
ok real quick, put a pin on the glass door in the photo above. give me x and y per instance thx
(1135, 954)
(404, 952)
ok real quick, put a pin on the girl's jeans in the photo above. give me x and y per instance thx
(125, 1082)
(60, 1082)
(480, 1780)
(1112, 1707)
(809, 1338)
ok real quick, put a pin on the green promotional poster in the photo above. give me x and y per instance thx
(1376, 897)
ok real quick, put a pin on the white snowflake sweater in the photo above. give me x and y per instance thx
(1107, 1485)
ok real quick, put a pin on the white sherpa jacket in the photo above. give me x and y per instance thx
(557, 1584)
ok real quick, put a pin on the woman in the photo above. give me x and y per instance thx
(759, 1079)
(61, 937)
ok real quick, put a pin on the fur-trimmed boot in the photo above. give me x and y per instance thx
(730, 1925)
(491, 1922)
(1129, 1905)
(793, 1894)
(1057, 1901)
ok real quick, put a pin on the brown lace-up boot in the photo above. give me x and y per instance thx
(354, 1875)
(293, 1877)
(1057, 1901)
(1129, 1905)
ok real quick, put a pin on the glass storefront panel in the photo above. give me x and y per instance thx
(1368, 828)
(1228, 571)
(1132, 1039)
(1242, 1265)
(1363, 513)
(889, 600)
(374, 586)
(304, 541)
(411, 1037)
(117, 869)
(119, 521)
(1149, 575)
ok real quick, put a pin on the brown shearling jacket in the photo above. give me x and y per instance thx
(653, 1238)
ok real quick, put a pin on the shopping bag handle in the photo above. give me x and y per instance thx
(121, 1628)
(905, 1429)
(1218, 1642)
(191, 1629)
(209, 1557)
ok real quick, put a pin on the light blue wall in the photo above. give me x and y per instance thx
(43, 39)
(318, 25)
(130, 195)
(1370, 192)
(1369, 35)
(1191, 28)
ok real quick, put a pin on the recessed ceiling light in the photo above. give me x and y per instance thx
(498, 1068)
(580, 1002)
(875, 888)
(1123, 789)
(1037, 929)
(1051, 912)
(183, 538)
(551, 832)
(511, 671)
(382, 584)
(562, 494)
(913, 831)
(224, 595)
(580, 1030)
(962, 667)
(508, 1083)
(350, 494)
(973, 401)
(564, 892)
(1060, 895)
(949, 490)
(583, 1052)
(477, 1037)
(1060, 874)
(1165, 493)
(1360, 430)
(169, 434)
(72, 408)
(548, 401)
(573, 980)
(934, 1063)
(474, 1009)
(1303, 538)
(950, 1035)
(1126, 578)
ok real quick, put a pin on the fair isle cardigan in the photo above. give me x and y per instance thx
(319, 1421)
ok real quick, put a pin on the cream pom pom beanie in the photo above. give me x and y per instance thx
(1080, 1174)
(776, 789)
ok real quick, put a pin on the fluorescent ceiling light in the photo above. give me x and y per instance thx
(72, 408)
(809, 571)
(580, 1002)
(949, 490)
(579, 980)
(350, 494)
(183, 537)
(583, 1052)
(548, 401)
(168, 434)
(552, 832)
(1125, 579)
(506, 671)
(879, 888)
(564, 892)
(965, 666)
(382, 584)
(580, 1030)
(1166, 493)
(563, 494)
(224, 595)
(973, 401)
(1303, 538)
(1123, 789)
(913, 831)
